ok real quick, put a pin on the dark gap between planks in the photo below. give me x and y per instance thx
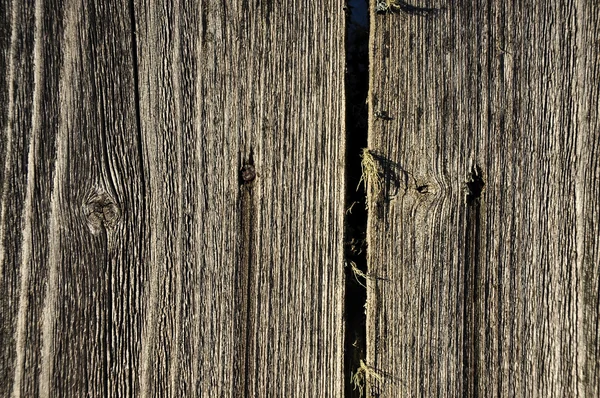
(357, 87)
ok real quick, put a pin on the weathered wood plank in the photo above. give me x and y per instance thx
(492, 293)
(135, 259)
(223, 85)
(73, 248)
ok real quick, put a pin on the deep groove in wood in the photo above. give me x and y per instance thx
(140, 148)
(472, 283)
(245, 285)
(136, 85)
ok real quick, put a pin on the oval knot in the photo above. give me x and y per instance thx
(101, 212)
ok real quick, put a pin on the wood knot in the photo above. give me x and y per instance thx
(248, 173)
(101, 212)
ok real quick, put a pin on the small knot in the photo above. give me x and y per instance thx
(248, 173)
(101, 212)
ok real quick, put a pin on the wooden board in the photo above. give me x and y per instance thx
(484, 241)
(137, 258)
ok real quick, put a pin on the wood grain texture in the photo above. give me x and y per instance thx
(495, 295)
(257, 285)
(134, 259)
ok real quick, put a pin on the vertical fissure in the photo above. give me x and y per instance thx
(136, 93)
(355, 227)
(245, 282)
(140, 149)
(472, 276)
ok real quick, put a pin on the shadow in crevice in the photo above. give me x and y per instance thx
(355, 257)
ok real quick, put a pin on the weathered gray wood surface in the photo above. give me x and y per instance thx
(496, 295)
(134, 259)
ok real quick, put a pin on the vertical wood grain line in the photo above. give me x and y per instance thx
(9, 133)
(372, 304)
(587, 176)
(175, 365)
(56, 197)
(149, 323)
(196, 230)
(38, 85)
(577, 286)
(140, 147)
